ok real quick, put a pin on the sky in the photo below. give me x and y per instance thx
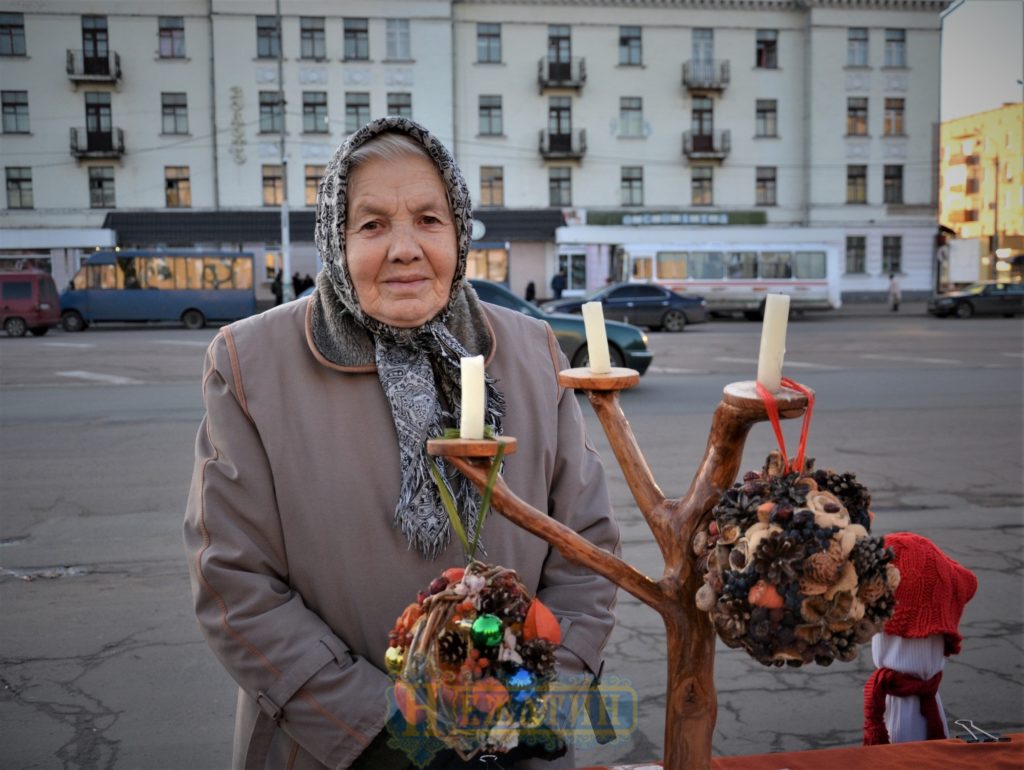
(982, 56)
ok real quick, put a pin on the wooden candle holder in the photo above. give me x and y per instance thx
(691, 701)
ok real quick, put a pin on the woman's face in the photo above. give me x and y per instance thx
(400, 240)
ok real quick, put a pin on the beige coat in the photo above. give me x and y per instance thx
(289, 533)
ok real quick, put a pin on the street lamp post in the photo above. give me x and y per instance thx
(287, 290)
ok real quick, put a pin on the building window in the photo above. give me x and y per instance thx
(895, 48)
(357, 110)
(631, 116)
(101, 187)
(893, 123)
(856, 116)
(632, 186)
(19, 187)
(766, 52)
(892, 191)
(892, 254)
(488, 43)
(857, 47)
(630, 46)
(268, 38)
(560, 186)
(98, 118)
(559, 52)
(701, 185)
(273, 185)
(702, 121)
(765, 186)
(12, 34)
(490, 116)
(15, 111)
(766, 118)
(856, 253)
(178, 188)
(492, 186)
(397, 35)
(174, 113)
(312, 39)
(271, 112)
(560, 120)
(400, 103)
(856, 184)
(314, 112)
(172, 37)
(313, 176)
(95, 45)
(357, 39)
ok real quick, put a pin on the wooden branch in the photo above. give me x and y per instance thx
(648, 495)
(568, 542)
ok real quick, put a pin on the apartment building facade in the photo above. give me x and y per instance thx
(981, 187)
(710, 120)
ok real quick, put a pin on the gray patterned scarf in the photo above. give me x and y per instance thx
(418, 368)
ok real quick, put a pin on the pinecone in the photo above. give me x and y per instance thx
(880, 611)
(870, 557)
(777, 556)
(451, 648)
(506, 600)
(850, 492)
(539, 657)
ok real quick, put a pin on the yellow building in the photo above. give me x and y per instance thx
(981, 185)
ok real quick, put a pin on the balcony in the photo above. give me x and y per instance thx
(97, 144)
(705, 75)
(711, 146)
(571, 146)
(555, 74)
(93, 69)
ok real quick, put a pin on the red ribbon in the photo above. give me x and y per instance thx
(886, 681)
(772, 408)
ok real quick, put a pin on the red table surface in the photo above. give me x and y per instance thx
(920, 755)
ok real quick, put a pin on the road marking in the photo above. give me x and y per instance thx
(795, 364)
(190, 343)
(110, 379)
(672, 370)
(909, 359)
(69, 344)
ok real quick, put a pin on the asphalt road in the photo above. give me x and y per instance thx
(101, 663)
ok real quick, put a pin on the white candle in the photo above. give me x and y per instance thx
(773, 341)
(597, 340)
(472, 418)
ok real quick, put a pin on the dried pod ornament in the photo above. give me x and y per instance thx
(793, 575)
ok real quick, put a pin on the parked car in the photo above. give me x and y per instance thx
(984, 298)
(627, 345)
(644, 304)
(28, 303)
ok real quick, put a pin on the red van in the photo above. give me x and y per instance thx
(28, 303)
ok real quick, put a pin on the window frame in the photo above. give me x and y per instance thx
(177, 185)
(15, 114)
(315, 115)
(894, 116)
(856, 253)
(766, 49)
(762, 119)
(272, 179)
(312, 38)
(400, 103)
(892, 254)
(858, 47)
(631, 117)
(492, 185)
(102, 193)
(271, 112)
(856, 116)
(895, 48)
(19, 183)
(356, 39)
(355, 118)
(171, 34)
(559, 186)
(631, 185)
(268, 38)
(631, 46)
(892, 183)
(313, 174)
(173, 115)
(490, 114)
(702, 186)
(766, 186)
(488, 42)
(398, 40)
(12, 34)
(857, 184)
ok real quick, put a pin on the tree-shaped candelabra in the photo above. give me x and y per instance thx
(691, 703)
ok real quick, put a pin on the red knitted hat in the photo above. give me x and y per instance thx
(932, 593)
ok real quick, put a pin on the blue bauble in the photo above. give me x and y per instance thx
(520, 686)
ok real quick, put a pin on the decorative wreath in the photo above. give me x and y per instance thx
(472, 659)
(791, 572)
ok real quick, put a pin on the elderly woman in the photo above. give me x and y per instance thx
(313, 520)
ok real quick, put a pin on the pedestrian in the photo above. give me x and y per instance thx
(531, 291)
(276, 288)
(558, 283)
(895, 294)
(312, 520)
(307, 282)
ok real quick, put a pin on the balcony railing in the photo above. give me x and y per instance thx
(714, 145)
(97, 144)
(563, 146)
(706, 75)
(556, 74)
(96, 69)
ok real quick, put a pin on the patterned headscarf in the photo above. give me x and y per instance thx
(418, 368)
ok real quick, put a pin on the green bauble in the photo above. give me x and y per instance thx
(487, 631)
(394, 657)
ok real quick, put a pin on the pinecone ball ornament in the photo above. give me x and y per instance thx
(791, 572)
(472, 660)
